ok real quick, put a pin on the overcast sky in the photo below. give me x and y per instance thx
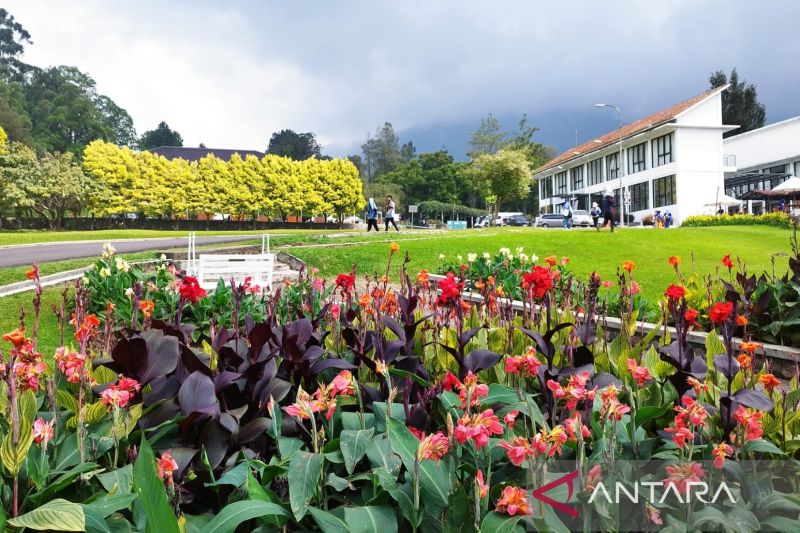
(229, 73)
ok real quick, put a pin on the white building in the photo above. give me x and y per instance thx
(773, 149)
(671, 160)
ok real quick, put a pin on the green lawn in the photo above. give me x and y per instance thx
(587, 250)
(8, 237)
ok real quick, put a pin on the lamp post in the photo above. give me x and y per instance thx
(619, 165)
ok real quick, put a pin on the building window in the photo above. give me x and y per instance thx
(547, 187)
(664, 191)
(780, 169)
(612, 166)
(797, 168)
(636, 158)
(662, 150)
(595, 171)
(640, 196)
(561, 183)
(576, 178)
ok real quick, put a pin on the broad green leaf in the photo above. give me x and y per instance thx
(371, 519)
(235, 477)
(109, 504)
(305, 472)
(95, 522)
(500, 523)
(152, 497)
(235, 513)
(500, 394)
(380, 455)
(117, 481)
(762, 446)
(58, 514)
(13, 456)
(404, 496)
(328, 522)
(435, 482)
(67, 401)
(63, 481)
(288, 445)
(27, 406)
(354, 445)
(259, 493)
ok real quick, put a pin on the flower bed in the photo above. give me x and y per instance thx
(780, 220)
(386, 404)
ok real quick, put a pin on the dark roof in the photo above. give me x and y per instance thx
(656, 119)
(195, 154)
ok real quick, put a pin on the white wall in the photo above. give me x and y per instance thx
(759, 148)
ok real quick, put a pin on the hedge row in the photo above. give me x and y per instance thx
(779, 220)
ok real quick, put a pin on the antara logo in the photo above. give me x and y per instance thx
(692, 491)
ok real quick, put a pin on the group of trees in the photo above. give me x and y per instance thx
(498, 173)
(276, 186)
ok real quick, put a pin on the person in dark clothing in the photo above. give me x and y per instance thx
(609, 209)
(372, 215)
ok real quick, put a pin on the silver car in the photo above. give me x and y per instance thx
(581, 218)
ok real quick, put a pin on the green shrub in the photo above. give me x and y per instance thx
(778, 220)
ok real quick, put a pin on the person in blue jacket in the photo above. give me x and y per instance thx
(372, 215)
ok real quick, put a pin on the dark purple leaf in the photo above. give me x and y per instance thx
(197, 395)
(468, 335)
(130, 356)
(159, 413)
(313, 353)
(251, 430)
(481, 359)
(395, 326)
(604, 379)
(753, 398)
(225, 379)
(325, 364)
(277, 388)
(216, 439)
(162, 355)
(727, 366)
(582, 356)
(161, 388)
(227, 421)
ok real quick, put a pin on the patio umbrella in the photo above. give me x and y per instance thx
(790, 186)
(724, 201)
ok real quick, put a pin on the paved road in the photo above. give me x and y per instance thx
(58, 251)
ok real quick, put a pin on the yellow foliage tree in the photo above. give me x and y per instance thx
(116, 171)
(3, 141)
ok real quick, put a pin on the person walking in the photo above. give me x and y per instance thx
(667, 219)
(595, 213)
(566, 211)
(372, 215)
(609, 210)
(390, 208)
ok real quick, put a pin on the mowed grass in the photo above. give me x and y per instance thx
(588, 250)
(11, 237)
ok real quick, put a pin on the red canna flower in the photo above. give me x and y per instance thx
(720, 452)
(679, 475)
(720, 312)
(526, 365)
(727, 261)
(639, 373)
(691, 317)
(346, 282)
(190, 289)
(674, 260)
(675, 292)
(538, 281)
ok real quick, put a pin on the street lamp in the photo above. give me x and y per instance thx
(619, 165)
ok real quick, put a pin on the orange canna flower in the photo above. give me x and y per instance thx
(769, 381)
(741, 320)
(16, 337)
(749, 347)
(31, 274)
(551, 260)
(147, 307)
(423, 277)
(674, 260)
(628, 265)
(363, 301)
(394, 247)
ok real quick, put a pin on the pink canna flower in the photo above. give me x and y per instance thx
(478, 428)
(514, 501)
(166, 466)
(43, 432)
(518, 450)
(483, 488)
(640, 374)
(433, 447)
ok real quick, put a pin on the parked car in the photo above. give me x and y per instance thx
(518, 220)
(550, 220)
(481, 222)
(581, 218)
(352, 220)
